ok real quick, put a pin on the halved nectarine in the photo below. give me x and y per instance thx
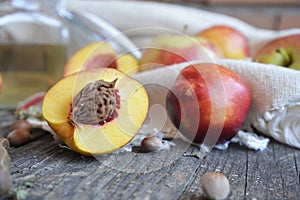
(100, 55)
(96, 111)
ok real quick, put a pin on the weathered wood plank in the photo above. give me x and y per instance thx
(232, 162)
(47, 171)
(144, 174)
(267, 174)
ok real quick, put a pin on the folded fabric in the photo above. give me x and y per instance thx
(275, 92)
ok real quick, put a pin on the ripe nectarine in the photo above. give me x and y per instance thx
(232, 42)
(100, 55)
(166, 50)
(283, 51)
(208, 100)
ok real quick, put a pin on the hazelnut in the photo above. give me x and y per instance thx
(18, 137)
(151, 143)
(20, 124)
(215, 185)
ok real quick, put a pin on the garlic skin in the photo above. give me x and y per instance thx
(282, 124)
(215, 185)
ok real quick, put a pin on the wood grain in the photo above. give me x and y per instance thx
(47, 171)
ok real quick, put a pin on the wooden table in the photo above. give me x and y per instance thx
(44, 170)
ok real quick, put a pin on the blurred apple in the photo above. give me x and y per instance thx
(284, 51)
(100, 55)
(166, 50)
(232, 42)
(208, 100)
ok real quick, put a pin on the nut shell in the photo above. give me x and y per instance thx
(151, 143)
(20, 124)
(215, 185)
(18, 137)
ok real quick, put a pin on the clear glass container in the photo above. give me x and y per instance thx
(33, 49)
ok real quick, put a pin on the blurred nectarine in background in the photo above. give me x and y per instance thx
(100, 55)
(232, 42)
(166, 50)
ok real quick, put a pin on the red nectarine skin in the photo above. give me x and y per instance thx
(208, 97)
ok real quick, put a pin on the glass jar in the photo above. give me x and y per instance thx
(33, 49)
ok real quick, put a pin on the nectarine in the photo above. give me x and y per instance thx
(208, 100)
(232, 42)
(100, 55)
(284, 51)
(96, 111)
(166, 50)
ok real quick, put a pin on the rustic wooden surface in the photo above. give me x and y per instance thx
(43, 170)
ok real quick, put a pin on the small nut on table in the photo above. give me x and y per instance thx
(215, 185)
(18, 137)
(19, 133)
(20, 124)
(151, 143)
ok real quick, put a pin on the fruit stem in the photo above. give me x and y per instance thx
(285, 56)
(185, 29)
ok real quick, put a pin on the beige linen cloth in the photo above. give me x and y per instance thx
(275, 110)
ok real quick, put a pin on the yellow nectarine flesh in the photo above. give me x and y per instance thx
(127, 64)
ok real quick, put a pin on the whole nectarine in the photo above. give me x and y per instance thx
(232, 42)
(284, 51)
(208, 100)
(100, 55)
(166, 50)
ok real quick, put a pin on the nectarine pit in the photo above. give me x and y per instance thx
(95, 104)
